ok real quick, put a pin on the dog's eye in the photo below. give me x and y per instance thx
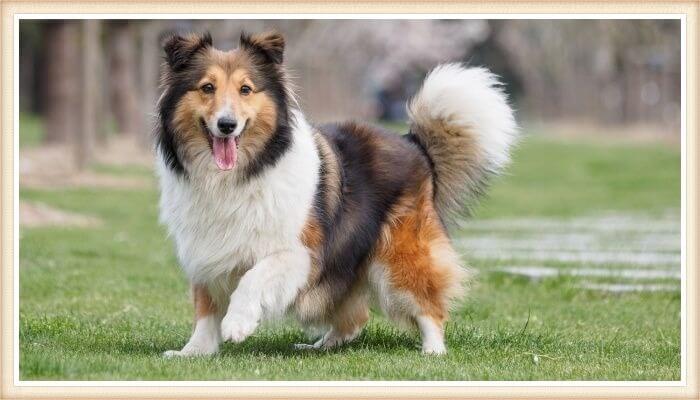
(207, 88)
(246, 90)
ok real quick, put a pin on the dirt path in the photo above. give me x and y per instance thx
(52, 166)
(33, 215)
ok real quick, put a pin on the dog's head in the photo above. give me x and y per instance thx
(223, 110)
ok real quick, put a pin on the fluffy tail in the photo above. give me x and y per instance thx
(462, 118)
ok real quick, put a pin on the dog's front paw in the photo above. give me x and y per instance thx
(192, 350)
(176, 353)
(236, 327)
(437, 349)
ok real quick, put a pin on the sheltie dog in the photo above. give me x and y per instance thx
(272, 215)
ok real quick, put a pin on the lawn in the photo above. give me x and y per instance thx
(32, 130)
(103, 303)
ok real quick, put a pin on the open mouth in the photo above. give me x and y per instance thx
(224, 149)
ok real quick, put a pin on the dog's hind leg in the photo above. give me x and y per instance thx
(347, 322)
(416, 273)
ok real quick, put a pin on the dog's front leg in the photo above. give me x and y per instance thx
(268, 289)
(206, 336)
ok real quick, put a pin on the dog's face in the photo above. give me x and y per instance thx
(222, 109)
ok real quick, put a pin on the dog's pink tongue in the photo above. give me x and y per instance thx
(225, 153)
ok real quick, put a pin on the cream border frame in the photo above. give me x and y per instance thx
(685, 388)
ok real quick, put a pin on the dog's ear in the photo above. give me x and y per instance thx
(179, 50)
(270, 45)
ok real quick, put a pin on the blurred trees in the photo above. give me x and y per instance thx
(123, 65)
(61, 87)
(86, 77)
(608, 71)
(85, 137)
(373, 57)
(90, 78)
(149, 63)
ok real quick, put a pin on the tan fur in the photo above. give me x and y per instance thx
(418, 256)
(353, 312)
(191, 137)
(312, 235)
(203, 303)
(310, 305)
(228, 72)
(269, 40)
(313, 305)
(455, 154)
(332, 177)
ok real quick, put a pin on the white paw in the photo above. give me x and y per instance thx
(191, 350)
(237, 327)
(434, 348)
(175, 353)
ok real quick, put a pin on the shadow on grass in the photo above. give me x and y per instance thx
(149, 338)
(376, 338)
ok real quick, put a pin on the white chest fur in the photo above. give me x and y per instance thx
(222, 227)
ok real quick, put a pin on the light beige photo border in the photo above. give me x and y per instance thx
(9, 9)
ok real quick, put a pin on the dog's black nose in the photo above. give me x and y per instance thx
(226, 125)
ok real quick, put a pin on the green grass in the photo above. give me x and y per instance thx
(31, 130)
(123, 170)
(548, 178)
(104, 303)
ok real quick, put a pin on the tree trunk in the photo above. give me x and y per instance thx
(150, 64)
(27, 61)
(122, 75)
(62, 80)
(85, 141)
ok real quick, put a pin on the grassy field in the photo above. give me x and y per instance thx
(32, 130)
(103, 303)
